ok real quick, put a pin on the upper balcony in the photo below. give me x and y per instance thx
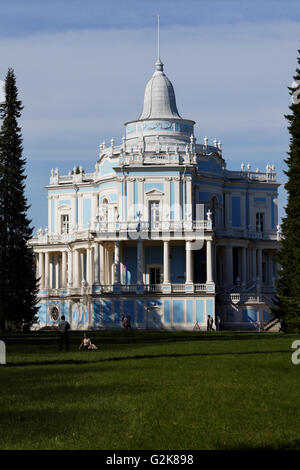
(131, 230)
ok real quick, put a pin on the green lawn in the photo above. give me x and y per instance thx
(150, 390)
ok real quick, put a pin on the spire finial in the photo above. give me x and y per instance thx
(159, 66)
(158, 39)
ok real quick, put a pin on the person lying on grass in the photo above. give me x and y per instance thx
(86, 343)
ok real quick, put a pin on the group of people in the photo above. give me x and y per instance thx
(86, 343)
(210, 322)
(64, 328)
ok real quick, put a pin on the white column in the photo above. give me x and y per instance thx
(51, 276)
(259, 265)
(244, 267)
(76, 268)
(96, 263)
(254, 265)
(117, 263)
(140, 262)
(81, 270)
(70, 268)
(47, 270)
(64, 269)
(37, 264)
(166, 262)
(209, 262)
(41, 270)
(89, 276)
(106, 266)
(101, 264)
(56, 260)
(188, 263)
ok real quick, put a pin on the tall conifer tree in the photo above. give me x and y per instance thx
(288, 284)
(18, 284)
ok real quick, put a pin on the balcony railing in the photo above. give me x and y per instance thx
(123, 289)
(160, 226)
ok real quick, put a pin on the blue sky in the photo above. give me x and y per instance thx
(82, 66)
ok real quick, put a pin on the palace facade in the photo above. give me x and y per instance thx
(160, 230)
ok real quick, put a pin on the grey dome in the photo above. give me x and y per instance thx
(159, 97)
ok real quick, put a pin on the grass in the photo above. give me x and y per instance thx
(150, 390)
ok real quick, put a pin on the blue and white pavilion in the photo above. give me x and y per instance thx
(161, 230)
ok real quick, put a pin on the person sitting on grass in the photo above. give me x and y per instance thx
(86, 343)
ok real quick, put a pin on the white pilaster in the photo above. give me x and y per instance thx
(177, 213)
(188, 209)
(117, 263)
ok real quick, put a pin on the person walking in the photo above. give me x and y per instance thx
(64, 328)
(218, 322)
(210, 322)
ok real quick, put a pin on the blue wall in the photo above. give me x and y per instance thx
(130, 264)
(140, 311)
(200, 311)
(178, 311)
(189, 311)
(249, 315)
(153, 255)
(107, 311)
(177, 264)
(167, 316)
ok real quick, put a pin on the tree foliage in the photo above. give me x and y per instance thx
(288, 284)
(18, 284)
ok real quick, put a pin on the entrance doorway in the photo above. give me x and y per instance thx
(155, 275)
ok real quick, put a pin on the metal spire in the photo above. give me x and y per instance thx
(158, 39)
(159, 65)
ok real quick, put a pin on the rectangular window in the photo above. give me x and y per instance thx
(154, 214)
(64, 224)
(259, 221)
